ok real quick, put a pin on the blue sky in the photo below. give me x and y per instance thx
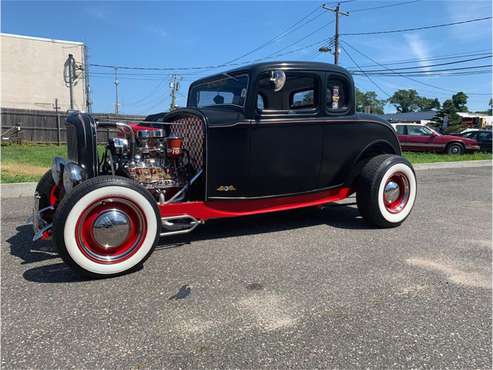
(189, 34)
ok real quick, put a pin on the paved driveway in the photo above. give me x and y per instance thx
(312, 288)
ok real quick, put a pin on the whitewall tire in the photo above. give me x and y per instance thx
(386, 190)
(106, 226)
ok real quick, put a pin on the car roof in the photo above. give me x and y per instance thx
(286, 65)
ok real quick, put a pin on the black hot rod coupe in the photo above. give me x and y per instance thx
(264, 138)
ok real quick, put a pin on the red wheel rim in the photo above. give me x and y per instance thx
(396, 192)
(53, 196)
(92, 245)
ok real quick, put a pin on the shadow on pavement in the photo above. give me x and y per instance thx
(341, 216)
(335, 215)
(22, 246)
(56, 273)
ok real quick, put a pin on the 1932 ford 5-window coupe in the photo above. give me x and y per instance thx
(264, 138)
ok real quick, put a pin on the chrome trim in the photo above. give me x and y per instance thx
(109, 258)
(183, 189)
(73, 175)
(111, 228)
(174, 229)
(57, 169)
(281, 195)
(150, 134)
(40, 226)
(391, 192)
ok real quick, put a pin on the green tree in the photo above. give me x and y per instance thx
(405, 100)
(425, 104)
(410, 101)
(450, 108)
(460, 101)
(368, 101)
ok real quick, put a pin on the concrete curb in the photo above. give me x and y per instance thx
(460, 164)
(26, 189)
(18, 190)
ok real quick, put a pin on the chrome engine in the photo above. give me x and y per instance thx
(150, 157)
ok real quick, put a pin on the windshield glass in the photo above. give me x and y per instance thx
(227, 90)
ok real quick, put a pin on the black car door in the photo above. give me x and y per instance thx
(286, 137)
(484, 139)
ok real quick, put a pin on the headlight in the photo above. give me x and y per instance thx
(57, 169)
(73, 174)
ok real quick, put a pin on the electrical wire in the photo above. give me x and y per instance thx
(302, 39)
(368, 77)
(404, 76)
(424, 72)
(289, 30)
(430, 65)
(440, 57)
(416, 28)
(382, 6)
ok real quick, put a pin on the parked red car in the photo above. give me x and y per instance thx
(420, 138)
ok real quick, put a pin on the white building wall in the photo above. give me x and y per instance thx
(32, 69)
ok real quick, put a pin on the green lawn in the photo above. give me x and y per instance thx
(438, 157)
(21, 163)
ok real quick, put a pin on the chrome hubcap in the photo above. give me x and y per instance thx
(391, 192)
(111, 228)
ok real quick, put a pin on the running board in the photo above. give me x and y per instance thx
(181, 224)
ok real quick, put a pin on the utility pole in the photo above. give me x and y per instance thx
(86, 81)
(174, 86)
(71, 73)
(57, 107)
(117, 100)
(337, 10)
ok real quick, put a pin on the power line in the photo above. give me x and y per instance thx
(404, 76)
(431, 65)
(290, 29)
(146, 97)
(441, 57)
(416, 28)
(383, 6)
(302, 39)
(425, 72)
(207, 67)
(368, 77)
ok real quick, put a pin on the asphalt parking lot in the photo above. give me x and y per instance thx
(304, 289)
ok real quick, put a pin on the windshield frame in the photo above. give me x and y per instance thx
(226, 76)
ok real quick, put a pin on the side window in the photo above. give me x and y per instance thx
(302, 99)
(298, 93)
(401, 129)
(260, 102)
(484, 136)
(337, 94)
(418, 131)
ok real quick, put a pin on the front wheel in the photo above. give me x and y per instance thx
(455, 148)
(106, 226)
(386, 190)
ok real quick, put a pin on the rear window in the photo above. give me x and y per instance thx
(337, 94)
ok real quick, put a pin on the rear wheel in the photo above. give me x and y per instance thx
(106, 226)
(47, 191)
(386, 190)
(455, 148)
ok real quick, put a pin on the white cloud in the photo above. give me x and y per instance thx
(470, 9)
(419, 48)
